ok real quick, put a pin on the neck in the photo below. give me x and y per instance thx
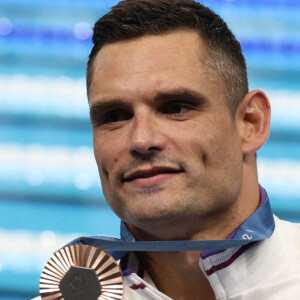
(177, 274)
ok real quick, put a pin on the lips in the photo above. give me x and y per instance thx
(151, 172)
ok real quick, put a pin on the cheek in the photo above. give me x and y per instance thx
(106, 153)
(212, 141)
(224, 155)
(111, 158)
(196, 138)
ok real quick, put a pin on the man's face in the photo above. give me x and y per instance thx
(167, 148)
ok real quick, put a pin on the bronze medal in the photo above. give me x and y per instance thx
(81, 272)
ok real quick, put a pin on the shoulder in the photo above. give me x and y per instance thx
(287, 243)
(288, 230)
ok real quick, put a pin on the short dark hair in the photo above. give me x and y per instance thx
(134, 18)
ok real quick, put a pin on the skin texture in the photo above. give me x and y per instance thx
(173, 162)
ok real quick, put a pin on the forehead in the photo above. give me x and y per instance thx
(151, 49)
(150, 63)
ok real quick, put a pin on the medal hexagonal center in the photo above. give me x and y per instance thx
(80, 283)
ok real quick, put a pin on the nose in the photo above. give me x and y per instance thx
(146, 137)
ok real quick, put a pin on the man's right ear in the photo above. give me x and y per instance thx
(253, 116)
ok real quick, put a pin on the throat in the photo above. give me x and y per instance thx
(177, 274)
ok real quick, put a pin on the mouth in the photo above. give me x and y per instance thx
(150, 173)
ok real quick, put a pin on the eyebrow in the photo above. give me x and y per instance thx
(181, 94)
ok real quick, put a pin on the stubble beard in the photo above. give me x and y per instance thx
(179, 221)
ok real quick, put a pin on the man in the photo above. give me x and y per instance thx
(175, 135)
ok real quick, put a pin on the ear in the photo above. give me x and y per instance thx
(253, 117)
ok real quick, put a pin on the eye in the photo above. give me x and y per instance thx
(114, 116)
(175, 108)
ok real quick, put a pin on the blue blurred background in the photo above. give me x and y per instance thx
(49, 187)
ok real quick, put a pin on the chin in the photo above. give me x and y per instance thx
(152, 221)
